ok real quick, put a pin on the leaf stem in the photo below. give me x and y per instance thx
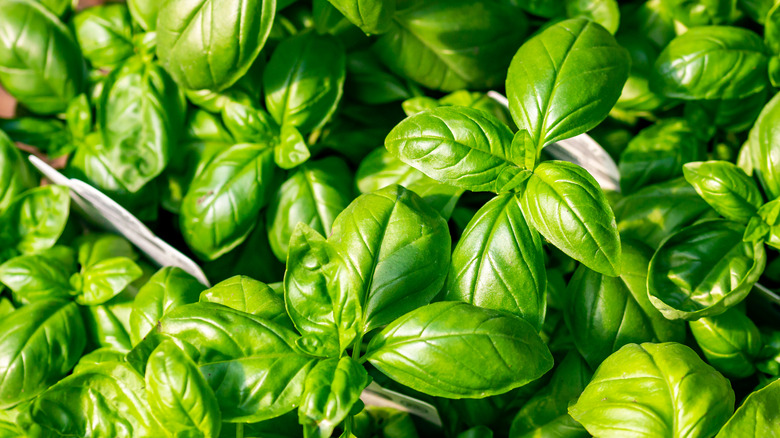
(240, 430)
(767, 293)
(358, 346)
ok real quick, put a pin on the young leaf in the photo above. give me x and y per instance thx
(104, 280)
(726, 187)
(292, 149)
(730, 342)
(247, 295)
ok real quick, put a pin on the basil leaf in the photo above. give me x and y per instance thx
(37, 277)
(251, 364)
(758, 414)
(108, 324)
(94, 248)
(498, 263)
(105, 34)
(658, 211)
(39, 344)
(35, 219)
(104, 280)
(202, 50)
(15, 174)
(40, 62)
(420, 46)
(603, 12)
(321, 294)
(332, 388)
(444, 339)
(248, 124)
(764, 226)
(726, 187)
(112, 392)
(179, 396)
(606, 313)
(459, 146)
(315, 194)
(703, 270)
(372, 17)
(654, 390)
(398, 249)
(565, 204)
(762, 148)
(700, 12)
(304, 80)
(565, 80)
(712, 62)
(140, 114)
(543, 8)
(144, 13)
(730, 342)
(167, 289)
(221, 206)
(292, 149)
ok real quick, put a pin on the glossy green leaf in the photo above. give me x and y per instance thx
(561, 427)
(15, 174)
(113, 395)
(101, 355)
(141, 113)
(248, 124)
(179, 396)
(221, 206)
(604, 12)
(39, 344)
(565, 204)
(108, 324)
(658, 211)
(168, 288)
(421, 46)
(96, 247)
(105, 34)
(757, 416)
(370, 16)
(368, 81)
(636, 94)
(246, 295)
(564, 81)
(730, 342)
(726, 187)
(251, 364)
(658, 153)
(703, 270)
(292, 150)
(304, 80)
(40, 62)
(398, 249)
(606, 313)
(332, 388)
(104, 280)
(448, 339)
(498, 262)
(144, 12)
(654, 390)
(712, 62)
(763, 148)
(693, 13)
(459, 146)
(37, 277)
(315, 194)
(764, 226)
(203, 49)
(35, 219)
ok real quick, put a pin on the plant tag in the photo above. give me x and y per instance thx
(106, 213)
(583, 151)
(375, 395)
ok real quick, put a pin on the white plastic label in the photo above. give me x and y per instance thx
(375, 395)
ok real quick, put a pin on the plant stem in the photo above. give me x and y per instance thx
(240, 430)
(767, 293)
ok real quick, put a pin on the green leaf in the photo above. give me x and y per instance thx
(251, 364)
(105, 34)
(371, 16)
(304, 80)
(15, 175)
(565, 204)
(712, 62)
(398, 249)
(140, 115)
(40, 61)
(248, 124)
(95, 247)
(112, 393)
(144, 13)
(179, 396)
(762, 149)
(654, 390)
(603, 12)
(730, 342)
(658, 153)
(457, 350)
(105, 279)
(703, 270)
(561, 427)
(726, 188)
(221, 206)
(606, 313)
(315, 194)
(498, 263)
(459, 146)
(37, 277)
(39, 344)
(564, 81)
(35, 219)
(168, 288)
(332, 388)
(658, 211)
(764, 226)
(292, 149)
(758, 415)
(420, 45)
(247, 295)
(693, 13)
(108, 324)
(201, 49)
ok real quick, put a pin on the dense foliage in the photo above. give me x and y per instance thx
(367, 212)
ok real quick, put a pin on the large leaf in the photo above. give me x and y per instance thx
(703, 270)
(499, 263)
(35, 219)
(654, 390)
(565, 80)
(399, 249)
(457, 350)
(203, 46)
(764, 148)
(459, 146)
(758, 415)
(565, 204)
(726, 187)
(38, 277)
